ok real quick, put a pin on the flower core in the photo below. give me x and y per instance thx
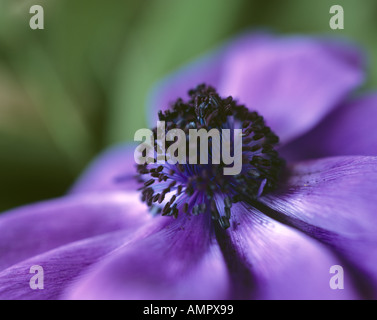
(170, 189)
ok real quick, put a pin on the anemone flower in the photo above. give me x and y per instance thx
(274, 231)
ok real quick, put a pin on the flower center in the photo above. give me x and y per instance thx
(203, 188)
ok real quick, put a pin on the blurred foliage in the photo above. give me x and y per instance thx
(80, 85)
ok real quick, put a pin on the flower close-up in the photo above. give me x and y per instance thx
(302, 203)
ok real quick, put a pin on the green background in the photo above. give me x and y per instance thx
(80, 85)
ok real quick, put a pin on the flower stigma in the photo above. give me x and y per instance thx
(175, 182)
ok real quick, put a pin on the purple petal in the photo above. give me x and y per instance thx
(334, 200)
(349, 130)
(113, 170)
(35, 229)
(277, 261)
(181, 261)
(61, 266)
(293, 82)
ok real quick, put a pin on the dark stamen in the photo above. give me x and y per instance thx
(197, 186)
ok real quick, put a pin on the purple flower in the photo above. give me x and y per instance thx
(100, 242)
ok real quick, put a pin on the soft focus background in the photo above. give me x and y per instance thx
(80, 85)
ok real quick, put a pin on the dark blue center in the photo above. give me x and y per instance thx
(194, 189)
